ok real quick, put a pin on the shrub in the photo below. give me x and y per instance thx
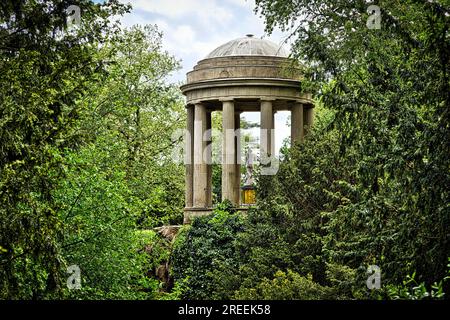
(202, 247)
(285, 286)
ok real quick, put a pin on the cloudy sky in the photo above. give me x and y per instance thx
(193, 28)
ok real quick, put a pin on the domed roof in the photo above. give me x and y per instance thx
(248, 46)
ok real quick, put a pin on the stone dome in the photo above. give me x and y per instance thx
(249, 46)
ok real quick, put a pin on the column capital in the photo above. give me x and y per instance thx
(226, 99)
(296, 103)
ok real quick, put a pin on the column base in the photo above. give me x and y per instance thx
(191, 213)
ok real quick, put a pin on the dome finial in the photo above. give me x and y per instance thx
(249, 35)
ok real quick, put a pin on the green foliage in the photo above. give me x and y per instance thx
(99, 219)
(201, 247)
(369, 186)
(135, 110)
(285, 286)
(380, 170)
(108, 188)
(46, 71)
(86, 137)
(411, 290)
(157, 248)
(343, 282)
(178, 291)
(85, 130)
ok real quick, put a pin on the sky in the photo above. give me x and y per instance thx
(193, 28)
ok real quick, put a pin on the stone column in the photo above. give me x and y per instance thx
(228, 152)
(237, 151)
(200, 168)
(189, 156)
(308, 116)
(267, 124)
(208, 158)
(296, 123)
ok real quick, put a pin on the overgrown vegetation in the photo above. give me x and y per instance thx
(369, 186)
(85, 158)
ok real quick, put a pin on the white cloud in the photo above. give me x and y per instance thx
(208, 11)
(242, 3)
(185, 34)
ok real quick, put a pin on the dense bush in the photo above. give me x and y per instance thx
(383, 196)
(285, 286)
(204, 246)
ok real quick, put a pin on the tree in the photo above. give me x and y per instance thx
(46, 70)
(139, 112)
(124, 177)
(388, 89)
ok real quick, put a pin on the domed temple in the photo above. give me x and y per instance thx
(246, 74)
